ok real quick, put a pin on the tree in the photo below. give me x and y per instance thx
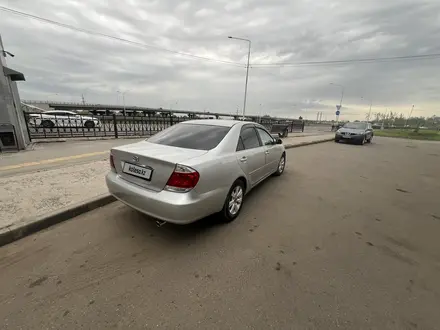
(399, 120)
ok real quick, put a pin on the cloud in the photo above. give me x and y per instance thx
(69, 63)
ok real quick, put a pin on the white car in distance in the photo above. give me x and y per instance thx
(51, 119)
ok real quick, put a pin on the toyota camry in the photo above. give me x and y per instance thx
(194, 169)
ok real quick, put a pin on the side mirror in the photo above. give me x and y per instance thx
(279, 141)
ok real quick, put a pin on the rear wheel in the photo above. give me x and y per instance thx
(47, 124)
(234, 202)
(89, 124)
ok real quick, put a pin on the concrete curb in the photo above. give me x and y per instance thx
(90, 138)
(22, 229)
(289, 146)
(25, 228)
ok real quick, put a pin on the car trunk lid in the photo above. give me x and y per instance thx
(149, 164)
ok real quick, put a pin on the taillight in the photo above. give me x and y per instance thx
(183, 179)
(112, 162)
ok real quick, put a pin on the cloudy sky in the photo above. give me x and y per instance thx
(62, 64)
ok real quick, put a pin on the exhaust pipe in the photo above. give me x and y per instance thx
(160, 223)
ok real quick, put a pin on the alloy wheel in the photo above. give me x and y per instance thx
(282, 164)
(236, 200)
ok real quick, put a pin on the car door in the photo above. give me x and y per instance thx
(368, 132)
(251, 155)
(56, 117)
(271, 151)
(72, 119)
(60, 118)
(79, 120)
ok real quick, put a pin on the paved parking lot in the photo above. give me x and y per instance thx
(347, 238)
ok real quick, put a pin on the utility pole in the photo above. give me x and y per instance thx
(369, 113)
(247, 71)
(371, 104)
(383, 120)
(83, 100)
(410, 113)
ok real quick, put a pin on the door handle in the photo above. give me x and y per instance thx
(266, 152)
(243, 159)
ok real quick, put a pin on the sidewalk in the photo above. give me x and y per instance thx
(28, 195)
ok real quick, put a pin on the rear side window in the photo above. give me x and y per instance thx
(240, 145)
(191, 136)
(249, 138)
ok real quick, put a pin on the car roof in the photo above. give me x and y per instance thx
(217, 122)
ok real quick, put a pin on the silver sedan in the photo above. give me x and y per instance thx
(194, 169)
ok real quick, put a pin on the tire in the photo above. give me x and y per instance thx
(337, 140)
(281, 165)
(47, 123)
(370, 139)
(362, 142)
(228, 213)
(89, 124)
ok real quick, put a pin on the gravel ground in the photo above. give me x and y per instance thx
(27, 195)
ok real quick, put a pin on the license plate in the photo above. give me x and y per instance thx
(139, 171)
(348, 136)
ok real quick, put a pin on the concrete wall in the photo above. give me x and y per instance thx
(10, 107)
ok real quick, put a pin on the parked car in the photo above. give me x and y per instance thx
(194, 169)
(51, 119)
(358, 132)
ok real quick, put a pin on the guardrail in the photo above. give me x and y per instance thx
(50, 126)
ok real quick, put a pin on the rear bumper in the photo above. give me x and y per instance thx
(178, 208)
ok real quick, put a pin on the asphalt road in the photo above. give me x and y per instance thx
(347, 238)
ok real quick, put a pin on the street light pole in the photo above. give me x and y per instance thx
(123, 102)
(259, 115)
(83, 99)
(123, 99)
(247, 71)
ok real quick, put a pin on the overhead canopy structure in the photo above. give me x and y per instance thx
(14, 75)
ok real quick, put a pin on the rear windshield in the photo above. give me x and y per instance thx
(191, 136)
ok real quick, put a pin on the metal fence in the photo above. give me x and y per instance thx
(49, 126)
